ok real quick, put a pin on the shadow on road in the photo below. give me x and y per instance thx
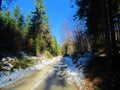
(53, 79)
(57, 79)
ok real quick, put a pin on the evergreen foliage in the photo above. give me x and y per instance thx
(54, 47)
(31, 35)
(40, 31)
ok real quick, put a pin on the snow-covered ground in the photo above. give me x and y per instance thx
(7, 77)
(74, 74)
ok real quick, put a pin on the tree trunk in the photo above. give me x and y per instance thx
(66, 50)
(112, 29)
(107, 34)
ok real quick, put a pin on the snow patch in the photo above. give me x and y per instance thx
(74, 71)
(72, 74)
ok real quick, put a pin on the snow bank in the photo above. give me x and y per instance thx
(74, 74)
(7, 77)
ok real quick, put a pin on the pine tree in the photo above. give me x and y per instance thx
(19, 18)
(37, 42)
(19, 27)
(54, 47)
(40, 26)
(7, 32)
(28, 23)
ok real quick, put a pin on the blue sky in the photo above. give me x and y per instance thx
(57, 10)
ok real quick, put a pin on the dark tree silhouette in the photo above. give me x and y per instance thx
(103, 30)
(101, 16)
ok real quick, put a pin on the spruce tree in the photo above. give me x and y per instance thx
(40, 26)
